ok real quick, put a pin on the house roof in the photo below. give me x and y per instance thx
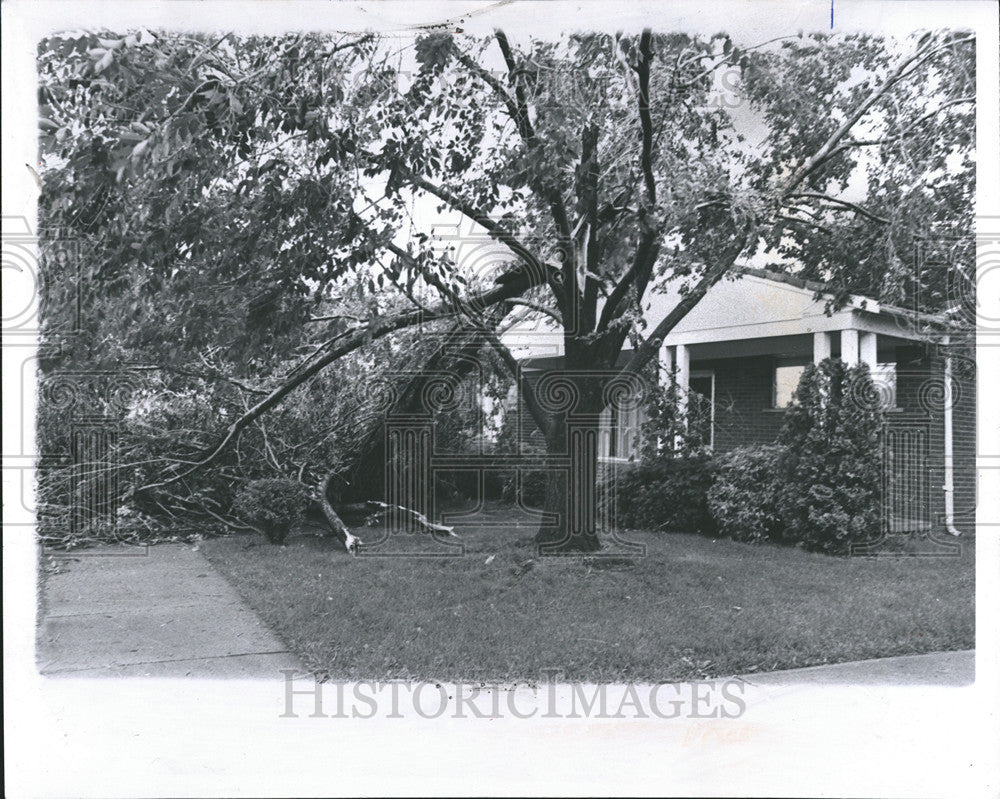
(759, 304)
(791, 280)
(818, 287)
(754, 304)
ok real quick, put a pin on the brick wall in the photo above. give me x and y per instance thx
(922, 399)
(964, 435)
(743, 397)
(920, 411)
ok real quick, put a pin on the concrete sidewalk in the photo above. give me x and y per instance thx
(159, 611)
(935, 668)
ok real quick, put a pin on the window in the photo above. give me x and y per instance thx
(786, 380)
(620, 432)
(701, 406)
(787, 376)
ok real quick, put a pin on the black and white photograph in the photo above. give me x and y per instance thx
(526, 398)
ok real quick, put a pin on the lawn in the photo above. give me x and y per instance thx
(690, 607)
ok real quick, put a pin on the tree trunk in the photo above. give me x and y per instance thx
(571, 493)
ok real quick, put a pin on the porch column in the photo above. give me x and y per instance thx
(821, 347)
(683, 379)
(666, 375)
(666, 363)
(849, 346)
(868, 348)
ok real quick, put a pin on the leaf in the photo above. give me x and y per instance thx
(104, 63)
(433, 52)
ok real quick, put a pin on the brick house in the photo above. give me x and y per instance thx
(738, 355)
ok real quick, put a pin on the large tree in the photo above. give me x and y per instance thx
(236, 195)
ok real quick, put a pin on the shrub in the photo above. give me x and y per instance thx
(272, 504)
(831, 465)
(666, 494)
(745, 501)
(666, 431)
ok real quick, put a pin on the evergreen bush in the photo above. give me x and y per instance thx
(273, 504)
(831, 465)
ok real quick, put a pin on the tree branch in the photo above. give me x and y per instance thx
(536, 306)
(637, 276)
(645, 121)
(837, 201)
(832, 146)
(654, 341)
(521, 118)
(588, 188)
(446, 292)
(523, 122)
(517, 285)
(908, 130)
(491, 80)
(491, 226)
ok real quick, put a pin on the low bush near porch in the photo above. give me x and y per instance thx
(745, 499)
(819, 486)
(667, 494)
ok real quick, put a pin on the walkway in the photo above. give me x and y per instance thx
(160, 611)
(935, 668)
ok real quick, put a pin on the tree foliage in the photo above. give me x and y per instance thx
(247, 211)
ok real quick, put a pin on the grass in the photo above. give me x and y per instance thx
(691, 607)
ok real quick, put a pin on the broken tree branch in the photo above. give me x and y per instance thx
(415, 515)
(519, 282)
(350, 541)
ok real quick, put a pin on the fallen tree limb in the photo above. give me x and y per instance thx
(350, 541)
(369, 511)
(415, 515)
(520, 281)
